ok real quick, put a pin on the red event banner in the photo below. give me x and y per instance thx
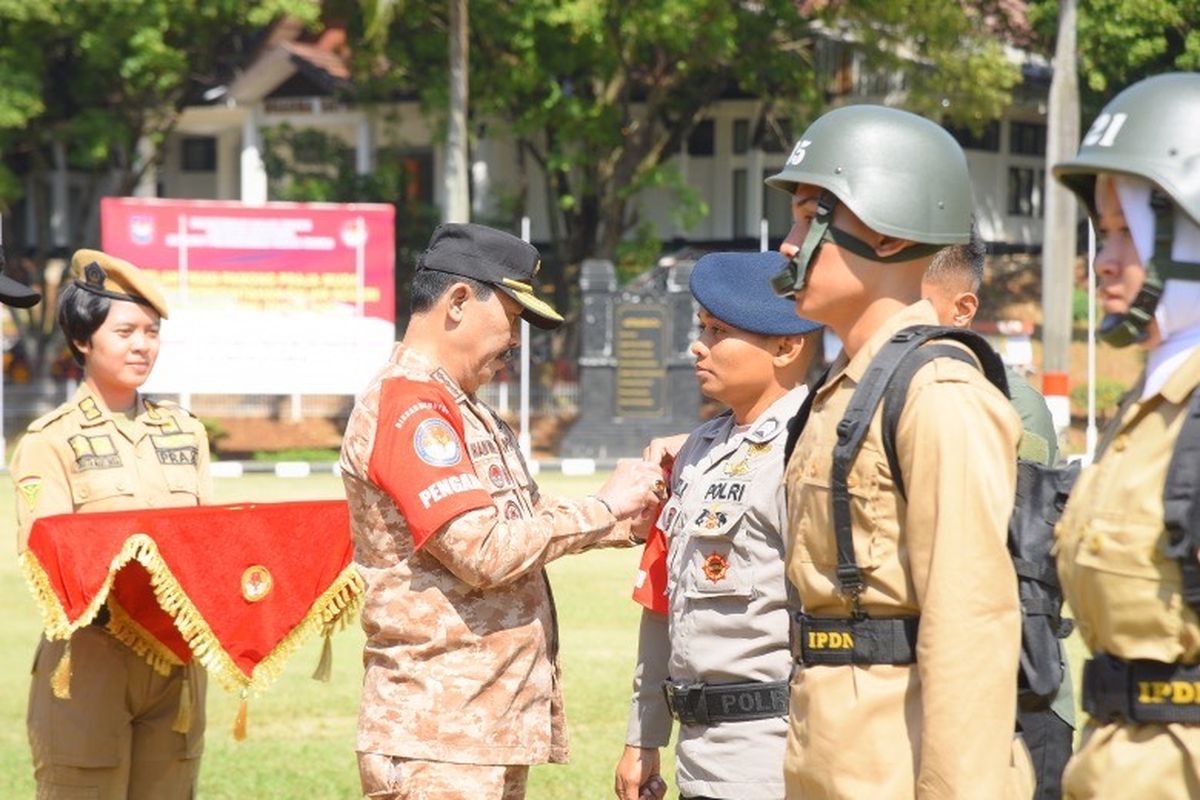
(274, 256)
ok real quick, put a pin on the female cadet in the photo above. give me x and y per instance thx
(1138, 171)
(126, 731)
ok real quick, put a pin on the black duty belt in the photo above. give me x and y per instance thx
(1115, 690)
(709, 703)
(866, 640)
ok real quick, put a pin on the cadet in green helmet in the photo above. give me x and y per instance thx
(910, 633)
(1127, 539)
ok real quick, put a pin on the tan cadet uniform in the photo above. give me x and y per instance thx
(728, 620)
(114, 735)
(1125, 593)
(461, 653)
(942, 727)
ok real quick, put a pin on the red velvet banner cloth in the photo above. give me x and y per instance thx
(229, 584)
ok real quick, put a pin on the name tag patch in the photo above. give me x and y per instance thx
(447, 487)
(175, 448)
(94, 452)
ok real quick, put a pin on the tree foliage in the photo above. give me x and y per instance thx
(94, 88)
(1122, 41)
(602, 94)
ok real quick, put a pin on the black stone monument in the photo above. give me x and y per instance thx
(636, 376)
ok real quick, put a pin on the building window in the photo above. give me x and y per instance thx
(777, 136)
(739, 204)
(701, 139)
(198, 154)
(741, 136)
(1025, 191)
(1027, 139)
(986, 139)
(777, 208)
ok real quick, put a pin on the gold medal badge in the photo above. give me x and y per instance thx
(256, 583)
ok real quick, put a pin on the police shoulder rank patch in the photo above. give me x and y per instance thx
(30, 487)
(436, 443)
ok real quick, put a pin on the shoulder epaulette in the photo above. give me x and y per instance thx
(44, 420)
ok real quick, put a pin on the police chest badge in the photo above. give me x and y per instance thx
(436, 443)
(256, 583)
(716, 567)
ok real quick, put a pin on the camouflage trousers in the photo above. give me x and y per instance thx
(387, 777)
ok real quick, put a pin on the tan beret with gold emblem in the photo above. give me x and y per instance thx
(109, 276)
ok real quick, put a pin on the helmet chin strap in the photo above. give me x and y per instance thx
(1132, 327)
(793, 278)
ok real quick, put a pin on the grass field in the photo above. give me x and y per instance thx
(301, 732)
(300, 741)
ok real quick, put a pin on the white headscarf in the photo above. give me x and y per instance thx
(1178, 312)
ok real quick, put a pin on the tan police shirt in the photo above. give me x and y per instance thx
(942, 727)
(461, 654)
(728, 620)
(81, 457)
(1125, 591)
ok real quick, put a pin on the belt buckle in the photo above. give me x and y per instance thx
(685, 701)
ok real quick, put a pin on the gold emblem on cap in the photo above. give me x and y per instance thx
(537, 267)
(514, 284)
(256, 583)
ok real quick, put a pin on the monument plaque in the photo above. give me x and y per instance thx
(641, 350)
(636, 375)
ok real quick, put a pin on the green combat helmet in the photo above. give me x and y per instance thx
(902, 175)
(1150, 131)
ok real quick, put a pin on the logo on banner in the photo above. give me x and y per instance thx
(256, 583)
(141, 229)
(354, 232)
(436, 444)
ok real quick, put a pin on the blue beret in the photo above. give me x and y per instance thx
(736, 289)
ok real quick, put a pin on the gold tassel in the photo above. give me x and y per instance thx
(239, 721)
(183, 718)
(60, 679)
(324, 670)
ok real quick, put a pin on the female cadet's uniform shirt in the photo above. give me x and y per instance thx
(81, 457)
(728, 610)
(942, 727)
(450, 535)
(1125, 594)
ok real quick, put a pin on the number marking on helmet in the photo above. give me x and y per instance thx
(1105, 129)
(798, 152)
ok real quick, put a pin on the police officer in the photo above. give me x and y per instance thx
(1128, 573)
(952, 284)
(907, 682)
(714, 653)
(462, 690)
(126, 730)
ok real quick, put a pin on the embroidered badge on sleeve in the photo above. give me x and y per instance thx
(419, 457)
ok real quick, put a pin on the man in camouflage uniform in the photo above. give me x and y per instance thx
(462, 690)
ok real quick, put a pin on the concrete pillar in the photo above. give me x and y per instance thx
(254, 174)
(147, 185)
(364, 146)
(59, 198)
(754, 191)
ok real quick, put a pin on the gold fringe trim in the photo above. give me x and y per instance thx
(239, 720)
(331, 612)
(183, 717)
(129, 633)
(60, 679)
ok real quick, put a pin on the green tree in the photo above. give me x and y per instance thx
(602, 94)
(1123, 41)
(95, 87)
